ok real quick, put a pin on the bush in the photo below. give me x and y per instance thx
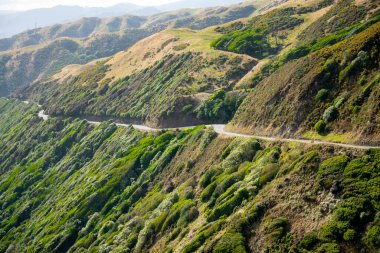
(330, 170)
(322, 95)
(373, 236)
(277, 228)
(201, 238)
(227, 207)
(330, 114)
(349, 235)
(340, 101)
(220, 106)
(230, 243)
(320, 127)
(208, 177)
(329, 248)
(368, 89)
(297, 53)
(309, 241)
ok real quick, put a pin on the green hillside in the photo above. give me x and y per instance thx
(178, 81)
(296, 168)
(77, 187)
(38, 53)
(335, 87)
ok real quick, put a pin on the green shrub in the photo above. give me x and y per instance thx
(208, 177)
(202, 237)
(329, 66)
(297, 53)
(220, 106)
(368, 89)
(349, 235)
(309, 241)
(339, 101)
(320, 127)
(227, 207)
(278, 228)
(330, 114)
(373, 236)
(230, 243)
(248, 41)
(322, 95)
(356, 109)
(329, 248)
(207, 192)
(107, 227)
(330, 170)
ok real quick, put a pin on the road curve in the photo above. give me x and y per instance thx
(220, 129)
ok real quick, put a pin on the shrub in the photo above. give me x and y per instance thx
(322, 95)
(277, 228)
(356, 109)
(297, 53)
(220, 106)
(329, 248)
(207, 192)
(368, 89)
(340, 101)
(230, 243)
(373, 236)
(309, 241)
(227, 207)
(330, 114)
(349, 235)
(330, 170)
(208, 177)
(320, 126)
(201, 238)
(107, 227)
(329, 66)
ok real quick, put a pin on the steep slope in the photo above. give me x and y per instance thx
(161, 80)
(67, 186)
(142, 85)
(41, 52)
(335, 89)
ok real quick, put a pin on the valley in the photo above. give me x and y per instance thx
(253, 127)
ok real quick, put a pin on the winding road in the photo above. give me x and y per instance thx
(220, 129)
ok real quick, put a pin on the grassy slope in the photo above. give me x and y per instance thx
(175, 99)
(66, 185)
(162, 86)
(289, 101)
(41, 52)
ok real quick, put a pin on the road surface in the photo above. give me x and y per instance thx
(220, 129)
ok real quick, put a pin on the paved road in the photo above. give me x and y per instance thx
(220, 129)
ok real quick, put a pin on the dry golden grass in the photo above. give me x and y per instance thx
(149, 51)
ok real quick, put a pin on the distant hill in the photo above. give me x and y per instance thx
(13, 23)
(197, 4)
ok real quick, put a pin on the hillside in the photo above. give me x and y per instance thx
(172, 83)
(113, 138)
(173, 78)
(131, 190)
(332, 90)
(39, 53)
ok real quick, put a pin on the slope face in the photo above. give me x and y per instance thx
(337, 84)
(39, 53)
(67, 186)
(161, 80)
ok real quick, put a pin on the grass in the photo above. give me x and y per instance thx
(332, 137)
